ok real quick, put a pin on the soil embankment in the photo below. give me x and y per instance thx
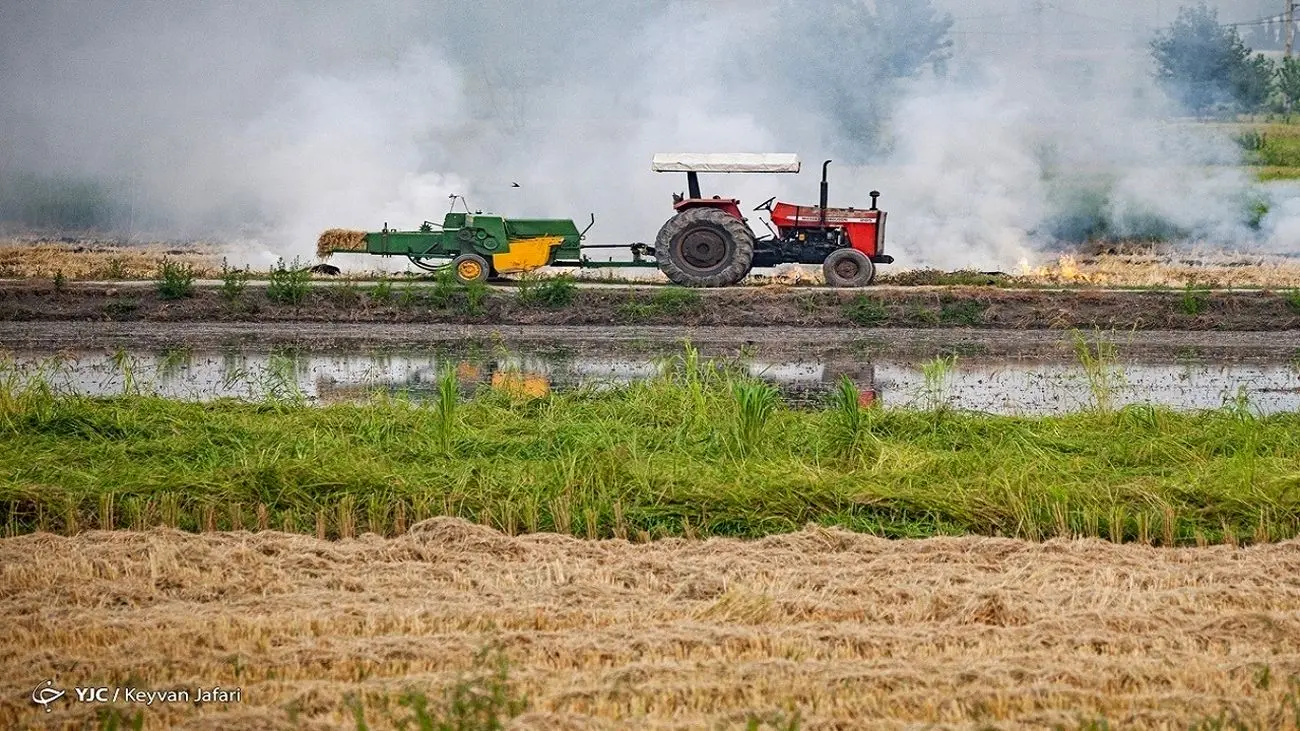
(912, 307)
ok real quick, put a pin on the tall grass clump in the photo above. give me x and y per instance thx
(550, 292)
(382, 292)
(476, 293)
(175, 280)
(1104, 379)
(448, 398)
(444, 288)
(852, 421)
(755, 403)
(937, 375)
(288, 284)
(1194, 300)
(233, 282)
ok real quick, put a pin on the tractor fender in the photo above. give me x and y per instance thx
(729, 206)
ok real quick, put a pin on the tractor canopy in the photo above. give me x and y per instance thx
(725, 162)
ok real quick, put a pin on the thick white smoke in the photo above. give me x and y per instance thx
(264, 127)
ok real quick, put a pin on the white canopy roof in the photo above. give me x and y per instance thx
(718, 162)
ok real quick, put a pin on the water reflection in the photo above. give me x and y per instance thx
(996, 387)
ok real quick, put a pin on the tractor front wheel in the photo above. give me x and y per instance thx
(470, 268)
(848, 268)
(705, 247)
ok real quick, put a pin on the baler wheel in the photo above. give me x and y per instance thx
(705, 247)
(470, 268)
(848, 268)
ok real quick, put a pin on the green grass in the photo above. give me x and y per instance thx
(550, 292)
(670, 301)
(962, 313)
(866, 311)
(1272, 145)
(702, 451)
(1272, 150)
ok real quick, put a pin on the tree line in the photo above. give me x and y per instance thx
(1207, 67)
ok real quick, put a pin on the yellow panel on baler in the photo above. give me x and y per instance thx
(526, 255)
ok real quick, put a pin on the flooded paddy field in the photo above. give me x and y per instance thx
(1000, 372)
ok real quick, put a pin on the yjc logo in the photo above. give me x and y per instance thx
(45, 694)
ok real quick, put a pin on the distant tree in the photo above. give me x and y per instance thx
(1288, 82)
(1207, 66)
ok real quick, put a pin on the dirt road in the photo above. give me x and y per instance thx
(844, 630)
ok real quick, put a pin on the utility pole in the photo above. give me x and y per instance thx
(1289, 30)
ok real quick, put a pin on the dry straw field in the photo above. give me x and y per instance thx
(815, 629)
(47, 259)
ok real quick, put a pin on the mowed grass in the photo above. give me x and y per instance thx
(1272, 150)
(703, 451)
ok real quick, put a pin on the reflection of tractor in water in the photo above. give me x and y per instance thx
(707, 243)
(534, 377)
(527, 377)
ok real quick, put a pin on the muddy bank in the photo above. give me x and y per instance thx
(786, 343)
(843, 630)
(924, 308)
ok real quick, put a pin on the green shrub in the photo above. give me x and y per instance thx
(552, 292)
(475, 298)
(175, 279)
(1293, 300)
(1194, 300)
(382, 292)
(288, 285)
(233, 281)
(667, 301)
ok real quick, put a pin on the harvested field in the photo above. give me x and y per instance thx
(1133, 264)
(100, 261)
(1167, 269)
(839, 629)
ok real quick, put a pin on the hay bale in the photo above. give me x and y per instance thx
(340, 239)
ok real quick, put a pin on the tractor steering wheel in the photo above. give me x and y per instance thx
(766, 205)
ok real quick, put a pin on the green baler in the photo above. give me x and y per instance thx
(475, 245)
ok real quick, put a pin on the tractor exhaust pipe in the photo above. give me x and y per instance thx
(826, 193)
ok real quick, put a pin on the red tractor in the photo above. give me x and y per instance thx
(709, 242)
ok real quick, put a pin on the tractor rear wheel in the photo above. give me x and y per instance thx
(470, 268)
(848, 268)
(705, 247)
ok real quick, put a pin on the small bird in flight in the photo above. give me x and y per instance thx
(514, 185)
